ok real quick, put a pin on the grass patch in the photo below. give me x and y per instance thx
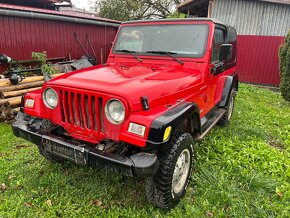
(240, 171)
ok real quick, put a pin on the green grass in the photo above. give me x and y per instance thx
(240, 171)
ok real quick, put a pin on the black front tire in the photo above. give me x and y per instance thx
(160, 188)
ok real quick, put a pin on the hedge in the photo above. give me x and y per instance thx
(285, 68)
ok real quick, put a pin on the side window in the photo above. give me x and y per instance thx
(218, 40)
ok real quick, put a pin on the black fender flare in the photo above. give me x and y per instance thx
(174, 117)
(232, 82)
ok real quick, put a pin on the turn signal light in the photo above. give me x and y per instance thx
(137, 129)
(167, 133)
(29, 103)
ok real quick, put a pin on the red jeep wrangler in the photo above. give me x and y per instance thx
(165, 85)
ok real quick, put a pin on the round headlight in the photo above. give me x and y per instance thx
(50, 98)
(115, 111)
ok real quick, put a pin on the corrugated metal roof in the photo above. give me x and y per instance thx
(44, 11)
(192, 2)
(253, 17)
(277, 1)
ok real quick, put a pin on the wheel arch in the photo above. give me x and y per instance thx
(231, 83)
(182, 118)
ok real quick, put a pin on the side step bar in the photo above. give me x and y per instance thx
(214, 122)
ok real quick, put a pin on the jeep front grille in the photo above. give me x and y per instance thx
(82, 110)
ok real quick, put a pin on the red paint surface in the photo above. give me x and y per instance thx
(161, 79)
(61, 13)
(21, 36)
(258, 60)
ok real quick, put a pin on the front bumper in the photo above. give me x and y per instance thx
(140, 164)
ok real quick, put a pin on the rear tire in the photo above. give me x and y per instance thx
(226, 118)
(169, 184)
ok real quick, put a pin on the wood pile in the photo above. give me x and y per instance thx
(10, 95)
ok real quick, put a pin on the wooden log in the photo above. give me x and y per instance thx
(21, 86)
(29, 79)
(15, 110)
(11, 101)
(6, 82)
(57, 74)
(17, 93)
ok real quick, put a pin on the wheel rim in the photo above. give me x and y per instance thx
(231, 108)
(181, 171)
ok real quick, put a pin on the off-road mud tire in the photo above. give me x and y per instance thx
(159, 188)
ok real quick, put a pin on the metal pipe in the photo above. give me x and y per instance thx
(14, 13)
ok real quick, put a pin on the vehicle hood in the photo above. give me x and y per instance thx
(159, 84)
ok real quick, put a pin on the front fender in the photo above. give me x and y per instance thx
(174, 117)
(231, 82)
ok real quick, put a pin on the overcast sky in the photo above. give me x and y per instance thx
(82, 4)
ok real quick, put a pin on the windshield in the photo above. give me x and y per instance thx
(184, 40)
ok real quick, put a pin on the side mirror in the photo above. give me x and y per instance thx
(111, 44)
(226, 52)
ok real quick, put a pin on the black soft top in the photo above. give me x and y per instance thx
(178, 20)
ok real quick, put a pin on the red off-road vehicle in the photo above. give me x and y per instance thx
(165, 85)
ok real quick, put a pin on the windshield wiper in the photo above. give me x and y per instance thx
(169, 53)
(130, 52)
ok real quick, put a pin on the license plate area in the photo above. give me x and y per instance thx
(65, 150)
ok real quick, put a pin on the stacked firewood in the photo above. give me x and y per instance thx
(10, 95)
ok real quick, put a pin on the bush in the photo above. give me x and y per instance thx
(285, 68)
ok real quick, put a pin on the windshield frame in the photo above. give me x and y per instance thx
(179, 55)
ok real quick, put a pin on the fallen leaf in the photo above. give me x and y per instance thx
(280, 194)
(28, 204)
(193, 200)
(49, 202)
(96, 202)
(209, 213)
(11, 177)
(3, 187)
(20, 146)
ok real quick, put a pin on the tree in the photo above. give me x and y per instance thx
(285, 68)
(131, 9)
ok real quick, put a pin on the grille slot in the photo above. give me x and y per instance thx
(82, 110)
